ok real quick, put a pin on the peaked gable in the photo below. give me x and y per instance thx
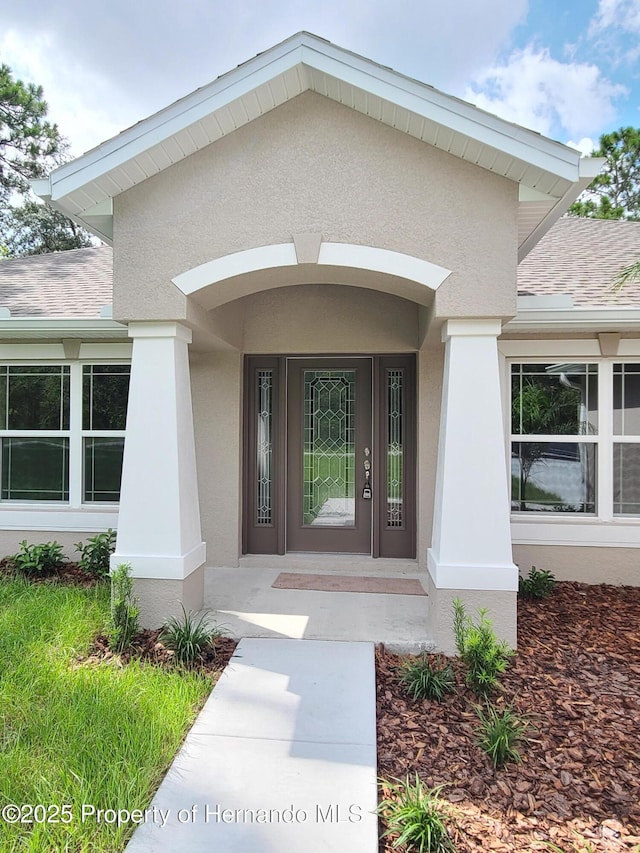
(550, 175)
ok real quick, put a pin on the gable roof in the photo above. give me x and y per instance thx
(550, 175)
(77, 283)
(581, 258)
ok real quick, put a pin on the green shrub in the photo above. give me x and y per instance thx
(501, 731)
(94, 555)
(124, 609)
(426, 679)
(484, 656)
(539, 583)
(416, 815)
(189, 636)
(42, 559)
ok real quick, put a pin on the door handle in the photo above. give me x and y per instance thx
(367, 492)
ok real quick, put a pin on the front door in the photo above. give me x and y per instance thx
(329, 460)
(330, 455)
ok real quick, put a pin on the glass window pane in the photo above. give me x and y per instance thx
(553, 477)
(35, 469)
(105, 391)
(102, 468)
(554, 399)
(626, 399)
(626, 479)
(37, 397)
(329, 448)
(395, 447)
(264, 450)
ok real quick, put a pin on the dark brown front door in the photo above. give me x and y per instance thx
(309, 423)
(329, 457)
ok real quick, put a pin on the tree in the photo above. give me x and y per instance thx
(615, 193)
(30, 147)
(28, 143)
(33, 228)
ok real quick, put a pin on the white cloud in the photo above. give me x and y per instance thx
(616, 14)
(586, 145)
(555, 98)
(104, 66)
(80, 101)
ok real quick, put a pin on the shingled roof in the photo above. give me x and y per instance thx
(582, 257)
(579, 257)
(77, 283)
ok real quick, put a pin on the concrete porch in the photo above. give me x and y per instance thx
(243, 601)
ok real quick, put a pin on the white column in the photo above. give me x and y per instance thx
(471, 545)
(159, 518)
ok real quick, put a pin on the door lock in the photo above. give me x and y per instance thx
(367, 494)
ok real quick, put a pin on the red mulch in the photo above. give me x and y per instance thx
(147, 646)
(67, 573)
(577, 677)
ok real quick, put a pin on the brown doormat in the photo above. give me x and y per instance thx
(349, 583)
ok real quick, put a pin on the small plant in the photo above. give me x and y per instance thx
(94, 555)
(501, 731)
(539, 583)
(124, 609)
(426, 679)
(189, 636)
(484, 656)
(414, 813)
(41, 559)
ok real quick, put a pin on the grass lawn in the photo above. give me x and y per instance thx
(73, 734)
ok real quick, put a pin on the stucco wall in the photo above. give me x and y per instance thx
(316, 166)
(587, 564)
(216, 381)
(318, 318)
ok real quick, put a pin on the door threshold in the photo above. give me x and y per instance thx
(321, 563)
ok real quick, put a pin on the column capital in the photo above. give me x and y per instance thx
(471, 328)
(159, 329)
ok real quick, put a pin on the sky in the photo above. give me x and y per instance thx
(569, 69)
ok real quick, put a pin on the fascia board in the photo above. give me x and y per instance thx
(588, 171)
(307, 50)
(574, 319)
(446, 110)
(60, 325)
(172, 119)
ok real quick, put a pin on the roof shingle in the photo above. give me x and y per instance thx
(77, 283)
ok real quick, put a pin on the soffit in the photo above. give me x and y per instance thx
(85, 187)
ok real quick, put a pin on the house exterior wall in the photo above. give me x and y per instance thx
(314, 166)
(584, 563)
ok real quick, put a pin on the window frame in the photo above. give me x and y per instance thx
(556, 438)
(603, 529)
(75, 434)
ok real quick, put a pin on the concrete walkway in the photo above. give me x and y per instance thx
(282, 758)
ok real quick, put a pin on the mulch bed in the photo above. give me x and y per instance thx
(66, 573)
(148, 647)
(577, 678)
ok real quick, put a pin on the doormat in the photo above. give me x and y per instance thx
(349, 583)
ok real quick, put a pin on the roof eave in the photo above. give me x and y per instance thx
(308, 58)
(580, 319)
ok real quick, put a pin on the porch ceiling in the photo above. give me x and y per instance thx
(550, 174)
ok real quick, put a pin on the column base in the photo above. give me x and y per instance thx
(501, 607)
(160, 598)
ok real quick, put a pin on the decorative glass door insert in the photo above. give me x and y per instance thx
(328, 486)
(329, 438)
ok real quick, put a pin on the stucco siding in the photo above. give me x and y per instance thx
(216, 386)
(312, 165)
(588, 564)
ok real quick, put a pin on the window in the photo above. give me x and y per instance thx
(626, 439)
(62, 432)
(554, 437)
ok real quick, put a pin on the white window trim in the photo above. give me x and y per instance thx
(600, 530)
(74, 515)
